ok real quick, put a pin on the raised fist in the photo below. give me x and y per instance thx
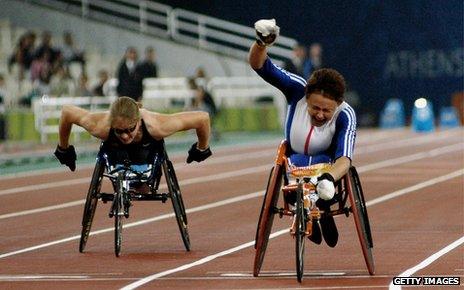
(266, 31)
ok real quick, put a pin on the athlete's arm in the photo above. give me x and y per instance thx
(345, 135)
(94, 123)
(257, 56)
(340, 167)
(164, 125)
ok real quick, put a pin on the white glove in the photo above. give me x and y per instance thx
(326, 189)
(266, 31)
(325, 186)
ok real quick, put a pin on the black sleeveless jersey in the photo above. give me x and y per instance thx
(142, 152)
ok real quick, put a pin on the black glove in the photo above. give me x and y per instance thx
(266, 31)
(66, 156)
(327, 176)
(198, 155)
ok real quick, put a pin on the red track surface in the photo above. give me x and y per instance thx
(407, 229)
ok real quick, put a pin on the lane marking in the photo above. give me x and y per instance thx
(377, 165)
(415, 187)
(138, 223)
(217, 204)
(41, 277)
(256, 145)
(358, 151)
(249, 244)
(427, 261)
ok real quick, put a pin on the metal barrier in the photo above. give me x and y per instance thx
(47, 112)
(180, 25)
(159, 95)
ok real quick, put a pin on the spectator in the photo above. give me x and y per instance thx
(148, 68)
(129, 83)
(46, 47)
(82, 89)
(299, 64)
(41, 66)
(203, 101)
(315, 56)
(70, 52)
(23, 54)
(103, 77)
(201, 79)
(3, 94)
(61, 84)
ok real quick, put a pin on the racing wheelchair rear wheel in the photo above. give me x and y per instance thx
(177, 202)
(91, 203)
(361, 219)
(266, 217)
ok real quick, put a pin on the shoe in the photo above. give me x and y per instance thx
(329, 230)
(315, 236)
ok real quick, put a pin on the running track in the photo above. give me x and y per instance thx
(414, 190)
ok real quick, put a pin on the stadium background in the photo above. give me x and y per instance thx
(385, 49)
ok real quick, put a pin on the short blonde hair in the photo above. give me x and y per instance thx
(126, 108)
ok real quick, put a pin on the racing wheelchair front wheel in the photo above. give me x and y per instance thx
(300, 218)
(177, 202)
(361, 219)
(266, 217)
(91, 203)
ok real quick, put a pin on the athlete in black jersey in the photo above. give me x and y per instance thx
(130, 131)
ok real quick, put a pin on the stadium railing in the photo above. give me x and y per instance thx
(152, 18)
(160, 94)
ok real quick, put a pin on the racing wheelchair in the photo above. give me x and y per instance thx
(306, 212)
(127, 180)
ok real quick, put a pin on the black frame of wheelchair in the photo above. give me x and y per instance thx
(348, 188)
(122, 199)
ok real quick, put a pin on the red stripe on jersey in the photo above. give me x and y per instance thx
(307, 140)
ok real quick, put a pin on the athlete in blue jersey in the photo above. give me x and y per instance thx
(320, 126)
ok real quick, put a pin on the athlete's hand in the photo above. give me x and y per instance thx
(66, 156)
(198, 155)
(325, 186)
(266, 31)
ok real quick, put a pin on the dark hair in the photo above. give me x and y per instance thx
(328, 82)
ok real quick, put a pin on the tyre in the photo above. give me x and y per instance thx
(91, 203)
(177, 203)
(176, 185)
(118, 216)
(267, 217)
(300, 217)
(361, 219)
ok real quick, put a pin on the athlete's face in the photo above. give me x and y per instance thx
(126, 130)
(321, 109)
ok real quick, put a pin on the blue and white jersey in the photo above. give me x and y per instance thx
(311, 144)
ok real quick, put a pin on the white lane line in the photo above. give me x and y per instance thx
(427, 261)
(165, 216)
(41, 277)
(42, 209)
(138, 223)
(236, 157)
(59, 169)
(377, 165)
(189, 181)
(415, 187)
(249, 244)
(232, 158)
